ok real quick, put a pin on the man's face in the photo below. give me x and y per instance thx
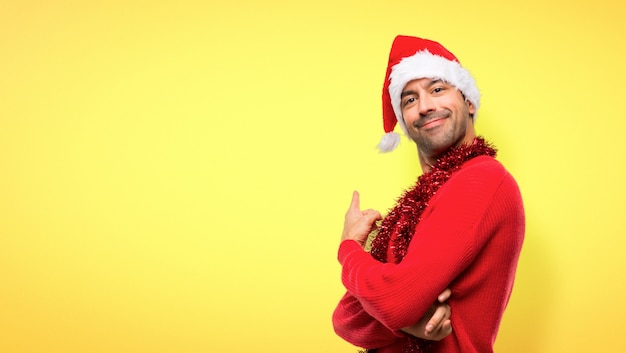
(436, 115)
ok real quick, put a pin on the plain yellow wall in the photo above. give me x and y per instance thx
(174, 174)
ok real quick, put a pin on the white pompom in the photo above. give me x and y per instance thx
(389, 142)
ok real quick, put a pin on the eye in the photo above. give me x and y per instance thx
(438, 89)
(409, 101)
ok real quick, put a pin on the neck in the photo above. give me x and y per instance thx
(428, 160)
(425, 162)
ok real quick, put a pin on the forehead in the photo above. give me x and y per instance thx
(425, 83)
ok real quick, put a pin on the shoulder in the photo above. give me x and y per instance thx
(484, 176)
(484, 165)
(482, 170)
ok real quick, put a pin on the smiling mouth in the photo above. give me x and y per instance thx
(432, 123)
(432, 119)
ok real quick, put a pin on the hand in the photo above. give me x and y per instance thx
(435, 324)
(358, 224)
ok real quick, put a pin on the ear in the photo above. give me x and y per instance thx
(470, 108)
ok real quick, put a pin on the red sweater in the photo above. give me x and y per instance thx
(469, 240)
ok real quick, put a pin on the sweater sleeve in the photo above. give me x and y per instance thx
(445, 243)
(356, 326)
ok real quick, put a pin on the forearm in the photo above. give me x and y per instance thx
(352, 323)
(395, 295)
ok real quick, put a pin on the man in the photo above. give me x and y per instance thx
(460, 227)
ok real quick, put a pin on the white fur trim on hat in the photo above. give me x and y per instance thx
(424, 64)
(389, 142)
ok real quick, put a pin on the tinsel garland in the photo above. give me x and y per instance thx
(405, 216)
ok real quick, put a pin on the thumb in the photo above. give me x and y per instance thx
(356, 202)
(445, 295)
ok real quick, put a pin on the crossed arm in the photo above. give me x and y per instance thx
(355, 325)
(350, 316)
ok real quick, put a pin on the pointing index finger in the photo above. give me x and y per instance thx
(355, 204)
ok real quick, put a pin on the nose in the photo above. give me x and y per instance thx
(426, 104)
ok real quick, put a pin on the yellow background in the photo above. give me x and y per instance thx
(174, 174)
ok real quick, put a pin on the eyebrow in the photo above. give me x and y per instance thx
(407, 93)
(410, 92)
(434, 82)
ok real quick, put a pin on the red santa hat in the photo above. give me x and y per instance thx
(412, 58)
